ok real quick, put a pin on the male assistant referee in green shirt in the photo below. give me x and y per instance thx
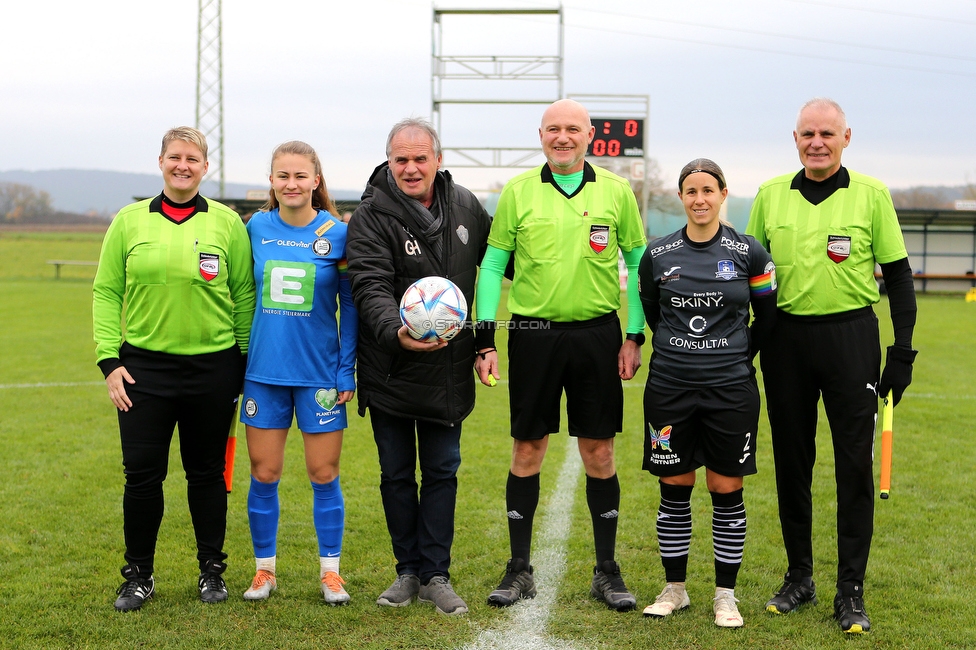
(564, 222)
(826, 228)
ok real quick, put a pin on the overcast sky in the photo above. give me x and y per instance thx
(94, 84)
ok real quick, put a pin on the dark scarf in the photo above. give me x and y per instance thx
(431, 220)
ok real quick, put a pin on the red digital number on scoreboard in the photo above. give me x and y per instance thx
(617, 137)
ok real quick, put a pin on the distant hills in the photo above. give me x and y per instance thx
(87, 191)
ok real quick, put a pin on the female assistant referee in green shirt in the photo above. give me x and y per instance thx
(176, 270)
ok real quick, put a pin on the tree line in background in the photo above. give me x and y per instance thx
(664, 199)
(660, 198)
(23, 205)
(932, 198)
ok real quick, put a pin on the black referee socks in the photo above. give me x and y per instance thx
(521, 499)
(603, 498)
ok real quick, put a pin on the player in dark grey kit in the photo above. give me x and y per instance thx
(701, 403)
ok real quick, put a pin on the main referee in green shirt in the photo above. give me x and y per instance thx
(564, 222)
(826, 228)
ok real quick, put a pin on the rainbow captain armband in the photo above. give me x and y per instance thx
(765, 284)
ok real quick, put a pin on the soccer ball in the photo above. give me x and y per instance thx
(433, 308)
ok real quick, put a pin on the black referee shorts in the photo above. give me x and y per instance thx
(711, 426)
(546, 357)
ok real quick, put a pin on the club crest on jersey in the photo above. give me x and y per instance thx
(327, 399)
(838, 248)
(250, 407)
(209, 266)
(462, 234)
(726, 270)
(661, 439)
(321, 247)
(599, 237)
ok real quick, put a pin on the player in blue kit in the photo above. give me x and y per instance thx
(701, 404)
(302, 359)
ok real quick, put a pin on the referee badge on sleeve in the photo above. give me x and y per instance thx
(838, 248)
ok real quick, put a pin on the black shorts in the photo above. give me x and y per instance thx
(545, 357)
(687, 428)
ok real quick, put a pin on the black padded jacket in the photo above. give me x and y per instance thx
(387, 252)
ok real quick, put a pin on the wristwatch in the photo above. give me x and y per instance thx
(637, 338)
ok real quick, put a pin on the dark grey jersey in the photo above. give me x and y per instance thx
(696, 298)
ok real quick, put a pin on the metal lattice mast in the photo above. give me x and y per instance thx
(210, 87)
(495, 74)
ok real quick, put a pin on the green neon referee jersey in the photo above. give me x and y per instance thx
(566, 245)
(186, 287)
(825, 253)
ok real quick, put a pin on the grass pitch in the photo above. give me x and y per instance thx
(61, 538)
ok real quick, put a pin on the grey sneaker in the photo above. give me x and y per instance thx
(440, 592)
(401, 593)
(609, 587)
(517, 583)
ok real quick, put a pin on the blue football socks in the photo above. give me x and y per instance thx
(328, 514)
(262, 514)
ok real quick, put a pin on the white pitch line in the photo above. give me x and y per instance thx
(64, 384)
(525, 625)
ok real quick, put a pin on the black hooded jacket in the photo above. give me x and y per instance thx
(387, 252)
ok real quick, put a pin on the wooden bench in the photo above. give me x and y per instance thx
(59, 263)
(925, 277)
(945, 276)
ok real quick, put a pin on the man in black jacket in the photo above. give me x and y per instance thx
(415, 222)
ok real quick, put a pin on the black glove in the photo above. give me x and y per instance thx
(897, 373)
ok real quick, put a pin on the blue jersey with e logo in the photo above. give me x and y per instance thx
(300, 277)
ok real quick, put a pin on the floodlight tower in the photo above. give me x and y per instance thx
(463, 79)
(210, 87)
